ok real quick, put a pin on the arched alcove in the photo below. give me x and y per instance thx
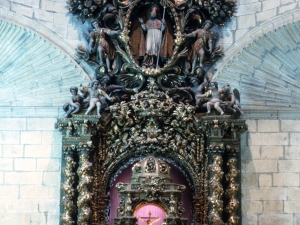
(177, 177)
(264, 66)
(37, 68)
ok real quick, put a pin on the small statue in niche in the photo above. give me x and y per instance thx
(152, 46)
(101, 46)
(202, 45)
(172, 203)
(75, 103)
(129, 205)
(95, 93)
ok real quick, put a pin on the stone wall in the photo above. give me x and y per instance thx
(270, 173)
(29, 171)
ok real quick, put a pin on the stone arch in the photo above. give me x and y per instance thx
(263, 64)
(37, 68)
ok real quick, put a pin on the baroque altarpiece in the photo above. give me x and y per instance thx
(152, 104)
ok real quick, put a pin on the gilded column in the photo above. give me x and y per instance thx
(85, 182)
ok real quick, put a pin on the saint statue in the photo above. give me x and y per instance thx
(202, 45)
(100, 46)
(151, 47)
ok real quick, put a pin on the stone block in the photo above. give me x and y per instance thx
(9, 191)
(59, 7)
(242, 2)
(49, 205)
(283, 2)
(245, 22)
(270, 4)
(62, 18)
(30, 137)
(287, 8)
(23, 178)
(22, 205)
(267, 193)
(290, 125)
(48, 165)
(265, 180)
(250, 180)
(252, 207)
(285, 179)
(12, 124)
(24, 164)
(22, 112)
(291, 166)
(291, 207)
(47, 112)
(53, 137)
(32, 3)
(40, 192)
(244, 139)
(271, 219)
(247, 9)
(273, 207)
(294, 193)
(5, 112)
(53, 192)
(250, 152)
(41, 124)
(268, 138)
(60, 30)
(260, 166)
(38, 151)
(5, 4)
(240, 33)
(2, 207)
(22, 9)
(6, 164)
(295, 139)
(265, 15)
(296, 219)
(9, 137)
(268, 125)
(252, 126)
(271, 152)
(249, 219)
(51, 178)
(56, 151)
(44, 15)
(1, 177)
(12, 151)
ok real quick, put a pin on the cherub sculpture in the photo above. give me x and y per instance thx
(95, 93)
(75, 103)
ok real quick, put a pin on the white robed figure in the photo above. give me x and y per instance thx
(150, 47)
